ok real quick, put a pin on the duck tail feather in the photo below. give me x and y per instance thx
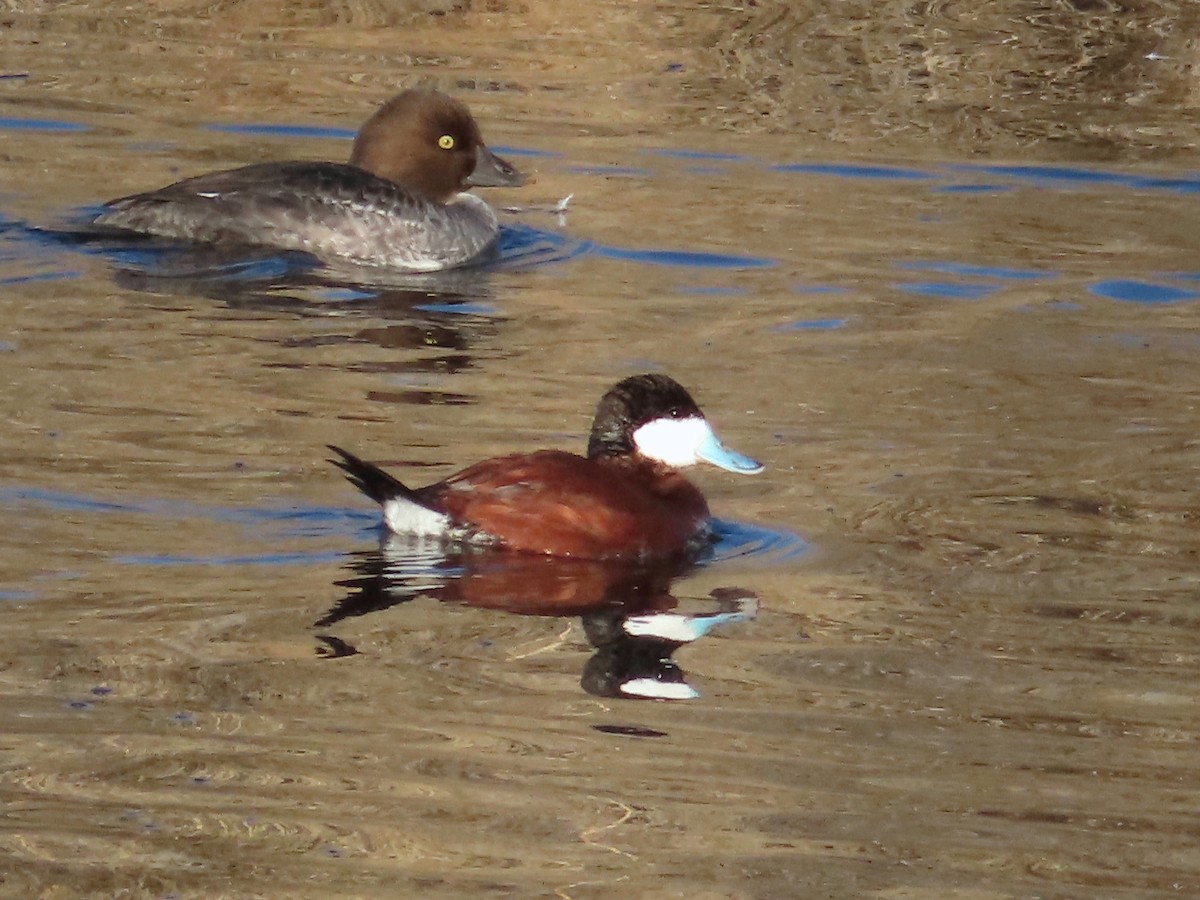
(372, 480)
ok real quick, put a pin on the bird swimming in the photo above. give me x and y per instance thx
(625, 499)
(401, 201)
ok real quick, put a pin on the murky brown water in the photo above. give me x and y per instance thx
(972, 376)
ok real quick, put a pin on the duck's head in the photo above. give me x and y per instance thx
(655, 418)
(429, 143)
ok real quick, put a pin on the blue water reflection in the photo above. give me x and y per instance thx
(31, 255)
(269, 524)
(849, 170)
(698, 155)
(8, 123)
(1071, 176)
(973, 188)
(682, 258)
(1142, 292)
(953, 290)
(969, 270)
(747, 541)
(288, 524)
(266, 130)
(814, 325)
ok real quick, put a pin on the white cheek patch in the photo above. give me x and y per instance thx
(673, 442)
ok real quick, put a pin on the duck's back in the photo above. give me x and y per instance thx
(334, 211)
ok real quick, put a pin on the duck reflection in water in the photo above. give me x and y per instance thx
(444, 315)
(628, 612)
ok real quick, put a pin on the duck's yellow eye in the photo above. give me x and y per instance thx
(446, 142)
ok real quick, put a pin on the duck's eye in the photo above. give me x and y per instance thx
(446, 142)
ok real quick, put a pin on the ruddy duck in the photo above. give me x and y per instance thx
(399, 203)
(625, 499)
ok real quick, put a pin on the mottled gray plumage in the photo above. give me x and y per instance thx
(400, 202)
(331, 210)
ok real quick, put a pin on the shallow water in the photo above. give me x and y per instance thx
(951, 305)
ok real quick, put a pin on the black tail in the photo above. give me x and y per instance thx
(370, 479)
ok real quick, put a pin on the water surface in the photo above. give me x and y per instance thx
(936, 269)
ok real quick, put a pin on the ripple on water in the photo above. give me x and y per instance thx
(759, 544)
(814, 325)
(1146, 293)
(994, 703)
(282, 525)
(735, 540)
(10, 123)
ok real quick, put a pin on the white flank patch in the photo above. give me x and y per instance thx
(658, 690)
(405, 517)
(424, 265)
(673, 441)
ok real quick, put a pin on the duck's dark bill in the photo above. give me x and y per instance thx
(492, 171)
